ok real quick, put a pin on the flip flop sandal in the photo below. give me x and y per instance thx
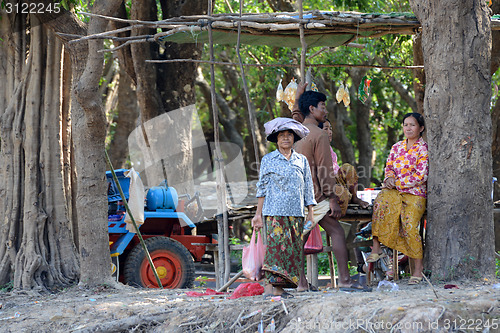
(286, 295)
(353, 289)
(312, 288)
(356, 287)
(414, 280)
(373, 257)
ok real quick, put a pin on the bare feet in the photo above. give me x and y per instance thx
(270, 290)
(303, 284)
(360, 202)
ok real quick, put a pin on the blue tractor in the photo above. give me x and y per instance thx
(166, 232)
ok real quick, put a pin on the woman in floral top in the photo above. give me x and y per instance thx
(285, 187)
(400, 205)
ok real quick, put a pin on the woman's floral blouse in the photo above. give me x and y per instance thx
(409, 167)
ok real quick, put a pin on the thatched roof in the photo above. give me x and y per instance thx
(282, 29)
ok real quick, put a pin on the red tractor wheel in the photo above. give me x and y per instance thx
(174, 265)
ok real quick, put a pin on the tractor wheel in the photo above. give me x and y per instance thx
(172, 260)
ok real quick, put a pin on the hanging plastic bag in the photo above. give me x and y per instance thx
(290, 91)
(343, 95)
(314, 87)
(314, 243)
(135, 201)
(280, 95)
(364, 89)
(253, 258)
(340, 93)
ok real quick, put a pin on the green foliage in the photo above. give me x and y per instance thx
(202, 280)
(7, 287)
(497, 265)
(324, 264)
(235, 254)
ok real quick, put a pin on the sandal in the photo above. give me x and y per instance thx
(286, 295)
(414, 280)
(355, 287)
(373, 257)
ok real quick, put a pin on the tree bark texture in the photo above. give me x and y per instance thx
(362, 111)
(89, 134)
(456, 41)
(36, 235)
(419, 74)
(495, 113)
(162, 88)
(126, 120)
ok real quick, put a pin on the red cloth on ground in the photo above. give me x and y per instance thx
(247, 289)
(207, 293)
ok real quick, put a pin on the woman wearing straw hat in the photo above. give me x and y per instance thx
(285, 187)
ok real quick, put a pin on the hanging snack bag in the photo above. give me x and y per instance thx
(364, 89)
(340, 93)
(290, 91)
(343, 95)
(279, 93)
(346, 98)
(314, 87)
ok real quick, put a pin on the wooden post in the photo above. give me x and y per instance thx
(395, 265)
(222, 275)
(333, 280)
(303, 44)
(251, 116)
(312, 269)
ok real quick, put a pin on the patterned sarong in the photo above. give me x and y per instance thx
(283, 260)
(396, 218)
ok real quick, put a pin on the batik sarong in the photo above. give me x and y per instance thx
(396, 218)
(284, 254)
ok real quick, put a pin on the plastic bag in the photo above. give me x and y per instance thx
(290, 91)
(343, 95)
(247, 289)
(364, 89)
(280, 95)
(314, 243)
(387, 285)
(135, 200)
(253, 258)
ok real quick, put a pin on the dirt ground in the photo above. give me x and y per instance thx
(474, 307)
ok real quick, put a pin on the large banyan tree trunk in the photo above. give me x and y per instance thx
(36, 237)
(456, 40)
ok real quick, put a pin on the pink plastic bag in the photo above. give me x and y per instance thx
(253, 258)
(314, 243)
(247, 289)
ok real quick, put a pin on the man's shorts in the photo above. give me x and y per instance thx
(320, 210)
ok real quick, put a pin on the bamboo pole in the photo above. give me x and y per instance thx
(222, 223)
(281, 65)
(230, 282)
(304, 45)
(328, 19)
(251, 116)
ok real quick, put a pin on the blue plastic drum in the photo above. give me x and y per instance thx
(160, 197)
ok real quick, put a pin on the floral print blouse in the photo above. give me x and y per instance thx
(410, 167)
(286, 184)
